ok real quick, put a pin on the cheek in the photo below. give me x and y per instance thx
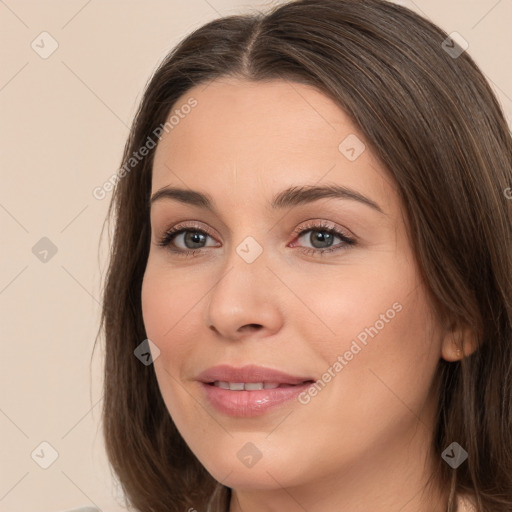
(353, 302)
(169, 318)
(384, 378)
(155, 305)
(169, 299)
(169, 315)
(396, 352)
(376, 317)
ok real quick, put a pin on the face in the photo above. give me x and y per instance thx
(321, 287)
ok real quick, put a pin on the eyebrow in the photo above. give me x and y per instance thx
(290, 197)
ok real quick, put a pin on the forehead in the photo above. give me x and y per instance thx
(262, 136)
(249, 116)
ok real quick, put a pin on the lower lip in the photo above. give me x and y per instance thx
(250, 403)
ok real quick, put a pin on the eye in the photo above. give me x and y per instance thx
(322, 236)
(191, 236)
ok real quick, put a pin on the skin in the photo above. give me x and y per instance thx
(361, 443)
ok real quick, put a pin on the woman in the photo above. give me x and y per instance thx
(308, 304)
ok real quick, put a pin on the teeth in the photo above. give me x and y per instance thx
(245, 386)
(253, 386)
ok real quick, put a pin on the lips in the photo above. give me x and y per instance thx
(250, 390)
(250, 374)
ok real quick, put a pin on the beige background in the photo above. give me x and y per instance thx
(64, 120)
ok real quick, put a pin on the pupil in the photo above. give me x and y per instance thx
(322, 236)
(194, 237)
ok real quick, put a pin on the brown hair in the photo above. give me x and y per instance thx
(436, 126)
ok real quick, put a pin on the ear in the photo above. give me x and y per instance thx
(459, 341)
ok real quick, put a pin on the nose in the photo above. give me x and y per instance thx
(246, 301)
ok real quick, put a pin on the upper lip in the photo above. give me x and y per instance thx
(249, 373)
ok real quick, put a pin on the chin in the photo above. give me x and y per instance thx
(230, 468)
(249, 479)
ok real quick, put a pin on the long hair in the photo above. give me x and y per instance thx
(431, 118)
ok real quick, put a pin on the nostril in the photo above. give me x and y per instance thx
(251, 327)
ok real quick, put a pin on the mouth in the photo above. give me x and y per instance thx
(250, 390)
(254, 386)
(248, 375)
(249, 399)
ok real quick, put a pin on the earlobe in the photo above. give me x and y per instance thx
(459, 342)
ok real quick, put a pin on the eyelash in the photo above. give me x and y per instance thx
(322, 227)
